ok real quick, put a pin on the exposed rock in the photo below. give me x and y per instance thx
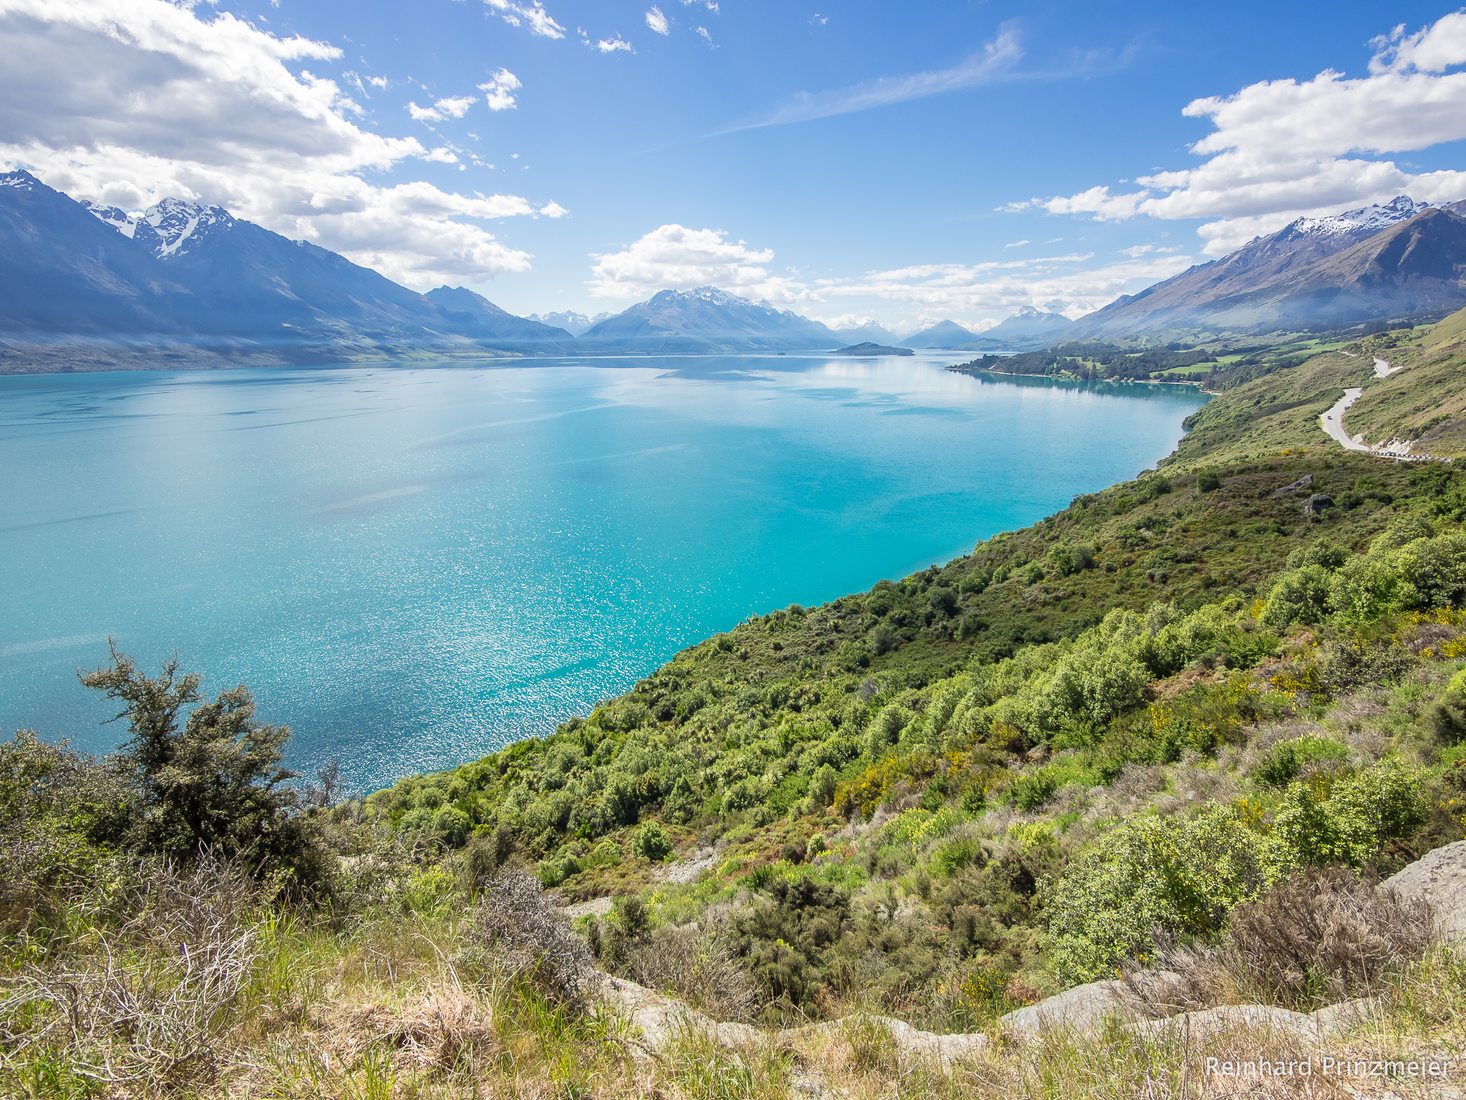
(1317, 504)
(595, 907)
(690, 869)
(662, 1020)
(1293, 486)
(1208, 1023)
(1438, 879)
(1337, 1018)
(1083, 1008)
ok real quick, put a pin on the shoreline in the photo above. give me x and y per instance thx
(960, 368)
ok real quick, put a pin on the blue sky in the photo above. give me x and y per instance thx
(901, 162)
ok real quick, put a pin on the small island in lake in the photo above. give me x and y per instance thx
(867, 348)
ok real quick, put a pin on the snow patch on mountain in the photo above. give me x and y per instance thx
(1365, 220)
(176, 222)
(118, 218)
(20, 180)
(167, 228)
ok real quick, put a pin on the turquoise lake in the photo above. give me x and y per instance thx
(412, 567)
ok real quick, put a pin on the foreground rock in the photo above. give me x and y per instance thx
(1150, 1002)
(1438, 879)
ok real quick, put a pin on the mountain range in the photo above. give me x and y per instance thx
(1401, 260)
(187, 283)
(704, 321)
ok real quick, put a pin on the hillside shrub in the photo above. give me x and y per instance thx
(1153, 876)
(1349, 819)
(1285, 760)
(516, 930)
(1447, 715)
(1320, 936)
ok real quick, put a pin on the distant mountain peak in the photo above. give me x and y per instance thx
(710, 294)
(170, 227)
(118, 218)
(179, 223)
(20, 179)
(1365, 219)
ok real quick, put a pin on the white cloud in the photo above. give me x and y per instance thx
(1017, 244)
(232, 116)
(614, 44)
(676, 257)
(1434, 49)
(451, 107)
(1064, 284)
(705, 34)
(499, 90)
(994, 61)
(1282, 149)
(532, 15)
(657, 21)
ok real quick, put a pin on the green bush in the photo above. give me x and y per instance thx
(1448, 714)
(1153, 874)
(1349, 820)
(652, 842)
(1285, 760)
(1299, 596)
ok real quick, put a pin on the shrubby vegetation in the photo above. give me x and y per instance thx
(970, 784)
(1180, 721)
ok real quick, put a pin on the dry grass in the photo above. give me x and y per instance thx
(1318, 938)
(151, 1000)
(695, 964)
(517, 929)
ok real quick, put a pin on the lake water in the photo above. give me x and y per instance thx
(412, 567)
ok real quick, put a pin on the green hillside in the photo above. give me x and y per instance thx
(1219, 697)
(1426, 401)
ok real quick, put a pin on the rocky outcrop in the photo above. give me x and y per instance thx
(1438, 879)
(1149, 1001)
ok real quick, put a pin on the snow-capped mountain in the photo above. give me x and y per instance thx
(571, 321)
(1365, 220)
(193, 277)
(170, 227)
(706, 320)
(1344, 268)
(1027, 329)
(476, 316)
(943, 334)
(870, 332)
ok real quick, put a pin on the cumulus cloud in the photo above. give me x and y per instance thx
(232, 115)
(451, 107)
(705, 34)
(657, 21)
(614, 44)
(1281, 149)
(678, 258)
(1069, 284)
(499, 90)
(533, 15)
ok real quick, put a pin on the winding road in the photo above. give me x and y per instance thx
(1332, 421)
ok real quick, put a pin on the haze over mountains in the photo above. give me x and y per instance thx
(93, 286)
